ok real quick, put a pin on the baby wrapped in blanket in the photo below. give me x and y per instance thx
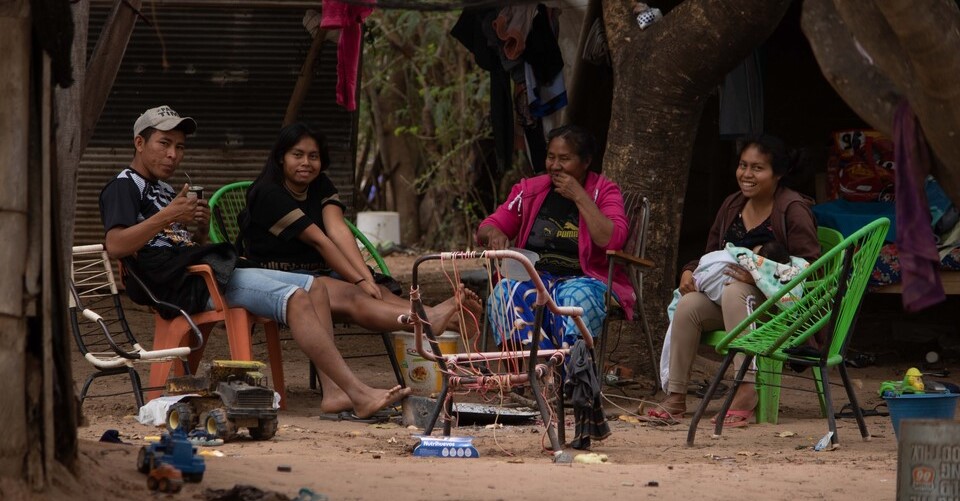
(770, 264)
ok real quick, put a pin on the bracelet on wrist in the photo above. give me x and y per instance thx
(358, 281)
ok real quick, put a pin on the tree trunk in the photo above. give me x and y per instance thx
(876, 53)
(398, 154)
(662, 77)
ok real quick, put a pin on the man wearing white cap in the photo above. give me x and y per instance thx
(146, 219)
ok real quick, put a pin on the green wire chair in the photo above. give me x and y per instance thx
(227, 203)
(769, 370)
(830, 303)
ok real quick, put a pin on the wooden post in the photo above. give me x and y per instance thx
(14, 152)
(302, 88)
(67, 109)
(105, 63)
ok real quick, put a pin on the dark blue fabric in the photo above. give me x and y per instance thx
(848, 217)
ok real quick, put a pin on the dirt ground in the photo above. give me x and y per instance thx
(346, 460)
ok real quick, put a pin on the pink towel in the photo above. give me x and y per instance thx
(349, 20)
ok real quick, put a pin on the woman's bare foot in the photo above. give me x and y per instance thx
(441, 315)
(741, 407)
(372, 400)
(468, 318)
(674, 404)
(667, 412)
(746, 397)
(334, 400)
(446, 315)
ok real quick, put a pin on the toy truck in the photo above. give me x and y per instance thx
(233, 395)
(165, 478)
(175, 450)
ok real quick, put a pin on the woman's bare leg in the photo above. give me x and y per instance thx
(348, 303)
(308, 316)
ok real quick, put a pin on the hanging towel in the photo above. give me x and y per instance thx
(582, 388)
(919, 260)
(349, 20)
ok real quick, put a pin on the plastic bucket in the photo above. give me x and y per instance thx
(921, 406)
(421, 375)
(513, 269)
(380, 227)
(928, 456)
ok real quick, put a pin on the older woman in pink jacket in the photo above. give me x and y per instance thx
(570, 216)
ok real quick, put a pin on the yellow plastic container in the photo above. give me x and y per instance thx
(421, 375)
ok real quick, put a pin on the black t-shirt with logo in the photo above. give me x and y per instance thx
(555, 236)
(129, 199)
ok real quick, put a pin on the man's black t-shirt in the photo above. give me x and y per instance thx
(129, 199)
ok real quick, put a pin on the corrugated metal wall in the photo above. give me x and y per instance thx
(233, 70)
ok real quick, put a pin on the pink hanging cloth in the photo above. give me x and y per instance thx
(916, 245)
(349, 20)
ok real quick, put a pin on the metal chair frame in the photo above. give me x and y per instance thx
(539, 363)
(100, 326)
(633, 260)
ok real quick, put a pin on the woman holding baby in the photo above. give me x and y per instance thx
(763, 210)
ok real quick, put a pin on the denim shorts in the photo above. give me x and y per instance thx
(264, 293)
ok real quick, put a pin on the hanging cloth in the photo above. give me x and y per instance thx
(582, 388)
(741, 99)
(349, 20)
(916, 244)
(512, 26)
(469, 31)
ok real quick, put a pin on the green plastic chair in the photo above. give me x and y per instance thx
(769, 370)
(831, 302)
(227, 203)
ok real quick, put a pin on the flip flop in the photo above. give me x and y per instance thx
(379, 417)
(735, 418)
(661, 417)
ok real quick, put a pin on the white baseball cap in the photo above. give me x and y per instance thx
(164, 118)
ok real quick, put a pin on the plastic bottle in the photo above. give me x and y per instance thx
(649, 16)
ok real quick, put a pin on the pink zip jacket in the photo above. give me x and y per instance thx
(516, 216)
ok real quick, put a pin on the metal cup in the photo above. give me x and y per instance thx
(195, 192)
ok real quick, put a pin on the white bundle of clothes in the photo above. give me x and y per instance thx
(769, 276)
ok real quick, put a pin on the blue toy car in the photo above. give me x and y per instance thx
(173, 449)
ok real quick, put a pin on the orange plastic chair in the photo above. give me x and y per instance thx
(238, 323)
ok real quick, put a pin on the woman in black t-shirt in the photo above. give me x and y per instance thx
(294, 222)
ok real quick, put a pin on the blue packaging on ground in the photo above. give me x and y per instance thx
(446, 447)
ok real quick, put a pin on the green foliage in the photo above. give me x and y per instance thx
(420, 84)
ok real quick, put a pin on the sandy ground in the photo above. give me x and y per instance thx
(346, 460)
